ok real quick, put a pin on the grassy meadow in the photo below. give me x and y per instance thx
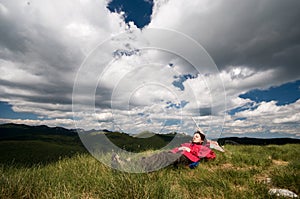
(70, 172)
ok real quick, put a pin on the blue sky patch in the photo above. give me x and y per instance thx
(247, 106)
(171, 122)
(141, 114)
(240, 118)
(285, 94)
(138, 11)
(119, 53)
(171, 65)
(6, 112)
(181, 79)
(180, 105)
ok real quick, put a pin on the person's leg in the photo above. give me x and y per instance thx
(182, 160)
(158, 161)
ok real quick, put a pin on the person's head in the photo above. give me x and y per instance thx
(198, 137)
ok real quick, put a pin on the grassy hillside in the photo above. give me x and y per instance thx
(29, 153)
(137, 144)
(241, 172)
(43, 162)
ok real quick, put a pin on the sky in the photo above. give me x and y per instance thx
(230, 66)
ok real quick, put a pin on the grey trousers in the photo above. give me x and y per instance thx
(163, 159)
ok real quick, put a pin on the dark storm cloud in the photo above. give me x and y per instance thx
(41, 51)
(260, 34)
(46, 95)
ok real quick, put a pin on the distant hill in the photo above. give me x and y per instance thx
(25, 132)
(65, 136)
(144, 134)
(15, 130)
(135, 143)
(257, 141)
(144, 141)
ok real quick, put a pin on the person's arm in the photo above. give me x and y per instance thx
(184, 148)
(208, 142)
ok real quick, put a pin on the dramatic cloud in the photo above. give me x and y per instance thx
(258, 34)
(265, 119)
(255, 44)
(42, 46)
(53, 54)
(149, 88)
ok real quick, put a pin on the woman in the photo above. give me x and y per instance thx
(196, 150)
(186, 154)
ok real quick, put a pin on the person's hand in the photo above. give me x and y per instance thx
(184, 148)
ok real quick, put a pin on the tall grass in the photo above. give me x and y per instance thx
(238, 173)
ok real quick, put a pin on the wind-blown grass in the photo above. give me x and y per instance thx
(240, 172)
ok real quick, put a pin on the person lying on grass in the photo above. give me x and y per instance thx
(186, 154)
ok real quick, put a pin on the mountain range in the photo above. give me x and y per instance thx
(135, 143)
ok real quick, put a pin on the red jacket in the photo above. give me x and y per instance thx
(197, 151)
